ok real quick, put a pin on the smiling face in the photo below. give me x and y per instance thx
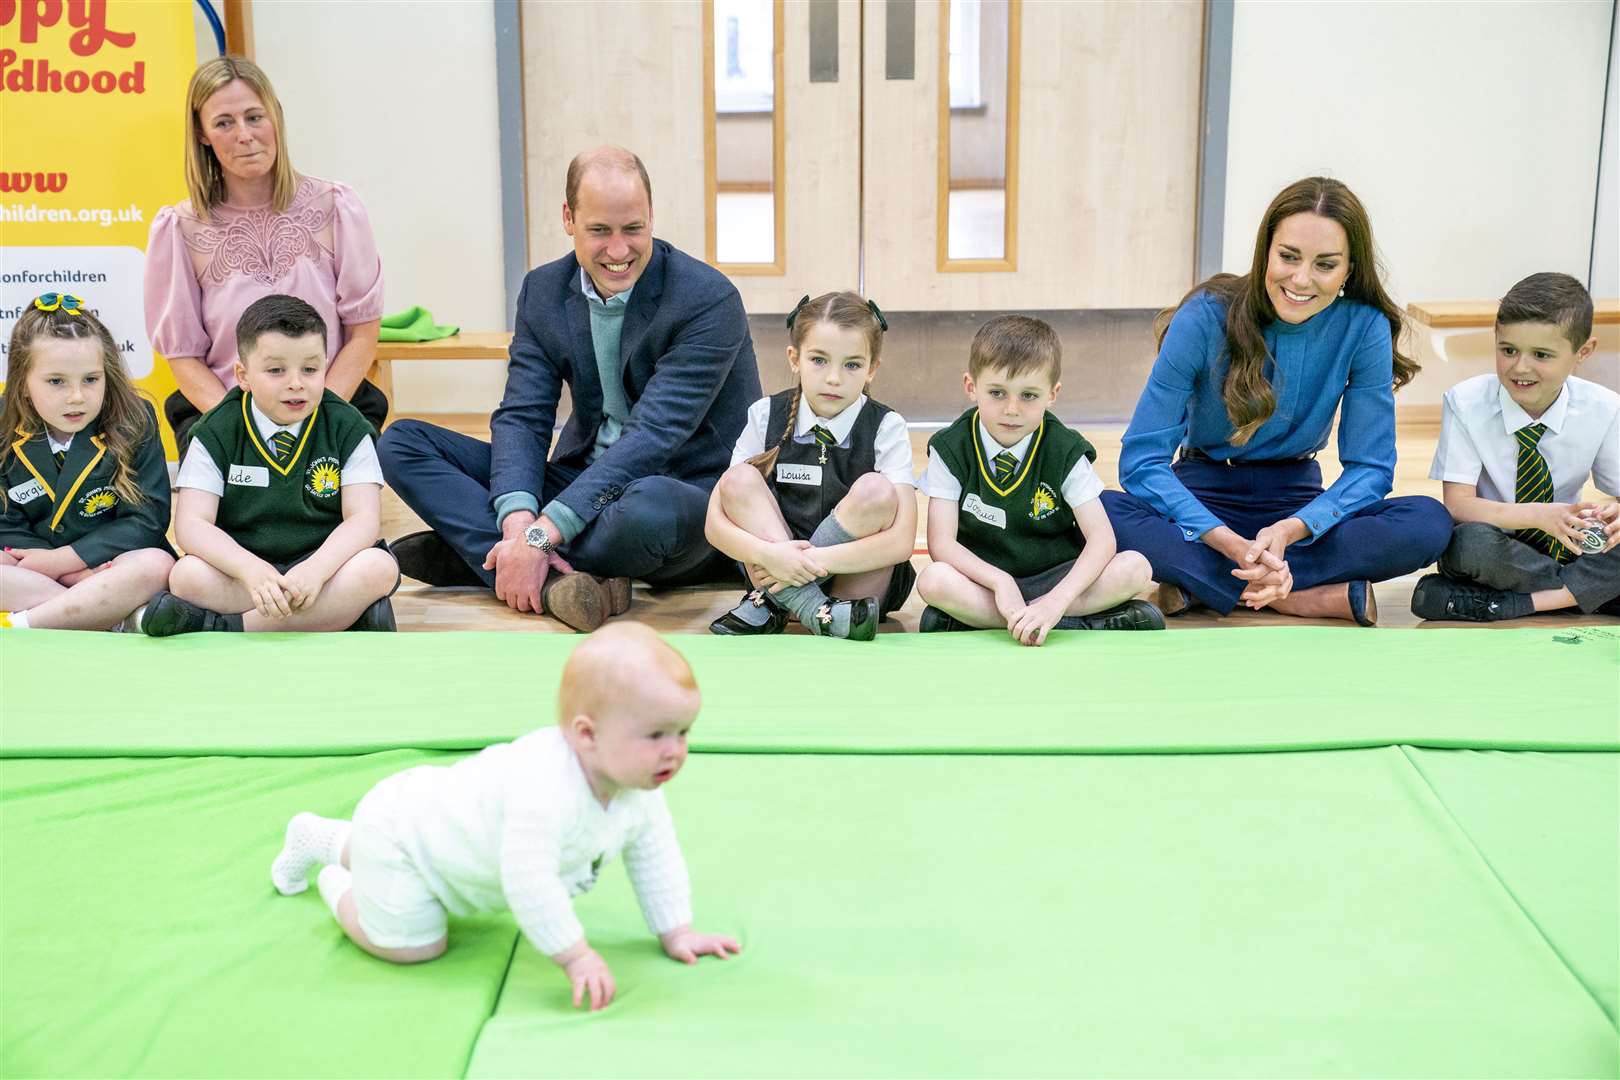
(1533, 359)
(284, 374)
(1011, 406)
(1308, 263)
(66, 383)
(611, 224)
(833, 365)
(238, 128)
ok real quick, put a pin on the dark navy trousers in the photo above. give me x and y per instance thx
(653, 531)
(1385, 540)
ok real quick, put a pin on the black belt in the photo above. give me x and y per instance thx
(1191, 453)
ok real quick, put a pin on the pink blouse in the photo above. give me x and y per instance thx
(201, 275)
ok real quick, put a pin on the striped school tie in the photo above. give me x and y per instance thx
(283, 442)
(60, 456)
(1006, 464)
(1533, 484)
(824, 436)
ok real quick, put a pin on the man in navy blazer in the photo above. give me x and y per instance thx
(653, 346)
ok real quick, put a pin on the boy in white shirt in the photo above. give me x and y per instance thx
(1515, 450)
(523, 826)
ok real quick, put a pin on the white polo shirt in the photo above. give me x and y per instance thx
(199, 471)
(1478, 445)
(891, 446)
(1080, 486)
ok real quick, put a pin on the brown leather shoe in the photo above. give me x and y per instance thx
(618, 591)
(575, 600)
(1174, 600)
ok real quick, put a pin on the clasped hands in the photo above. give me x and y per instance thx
(1260, 562)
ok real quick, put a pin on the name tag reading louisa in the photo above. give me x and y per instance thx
(25, 493)
(990, 515)
(248, 476)
(809, 475)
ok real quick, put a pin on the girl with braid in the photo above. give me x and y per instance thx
(819, 505)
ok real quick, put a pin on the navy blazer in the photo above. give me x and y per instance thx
(689, 376)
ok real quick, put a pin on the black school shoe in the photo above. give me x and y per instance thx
(426, 557)
(1448, 599)
(735, 624)
(378, 617)
(863, 619)
(167, 615)
(935, 621)
(1131, 615)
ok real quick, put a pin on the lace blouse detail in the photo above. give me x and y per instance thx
(260, 243)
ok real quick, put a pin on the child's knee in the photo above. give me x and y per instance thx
(377, 570)
(1134, 569)
(740, 481)
(872, 496)
(935, 581)
(153, 565)
(191, 575)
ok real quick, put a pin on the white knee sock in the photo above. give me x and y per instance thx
(333, 883)
(311, 840)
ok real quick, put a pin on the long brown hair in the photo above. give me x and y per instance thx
(1250, 399)
(125, 421)
(205, 177)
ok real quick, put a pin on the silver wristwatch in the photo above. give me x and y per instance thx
(537, 537)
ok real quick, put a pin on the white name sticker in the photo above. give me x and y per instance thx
(990, 515)
(28, 492)
(248, 476)
(809, 475)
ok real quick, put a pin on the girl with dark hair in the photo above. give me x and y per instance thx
(1252, 371)
(85, 501)
(820, 491)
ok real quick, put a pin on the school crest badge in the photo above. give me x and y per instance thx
(1043, 504)
(96, 502)
(323, 478)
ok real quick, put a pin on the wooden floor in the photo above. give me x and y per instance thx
(690, 610)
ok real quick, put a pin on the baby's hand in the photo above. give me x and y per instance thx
(589, 975)
(686, 945)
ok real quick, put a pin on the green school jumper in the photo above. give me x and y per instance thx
(1024, 528)
(280, 510)
(76, 505)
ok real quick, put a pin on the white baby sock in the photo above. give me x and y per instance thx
(19, 620)
(311, 840)
(333, 883)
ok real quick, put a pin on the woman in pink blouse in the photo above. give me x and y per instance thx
(253, 227)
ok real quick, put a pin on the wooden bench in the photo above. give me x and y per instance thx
(479, 346)
(1444, 319)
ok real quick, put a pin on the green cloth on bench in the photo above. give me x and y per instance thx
(141, 935)
(1200, 691)
(413, 324)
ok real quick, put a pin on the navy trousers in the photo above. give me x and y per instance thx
(1381, 541)
(654, 531)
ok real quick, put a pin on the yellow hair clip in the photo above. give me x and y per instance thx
(65, 301)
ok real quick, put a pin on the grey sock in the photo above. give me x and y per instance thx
(804, 601)
(751, 613)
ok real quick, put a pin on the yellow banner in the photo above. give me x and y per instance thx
(92, 111)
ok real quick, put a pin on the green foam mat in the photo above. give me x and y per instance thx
(1260, 689)
(1240, 915)
(141, 936)
(1548, 827)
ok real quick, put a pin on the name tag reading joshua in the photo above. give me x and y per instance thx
(990, 515)
(809, 475)
(249, 476)
(28, 492)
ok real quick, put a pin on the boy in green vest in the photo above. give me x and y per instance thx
(1016, 532)
(279, 497)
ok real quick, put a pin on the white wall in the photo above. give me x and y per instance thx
(1469, 131)
(398, 101)
(1606, 253)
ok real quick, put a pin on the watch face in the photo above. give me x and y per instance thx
(535, 536)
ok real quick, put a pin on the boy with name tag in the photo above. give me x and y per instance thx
(1515, 450)
(820, 490)
(279, 497)
(1017, 533)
